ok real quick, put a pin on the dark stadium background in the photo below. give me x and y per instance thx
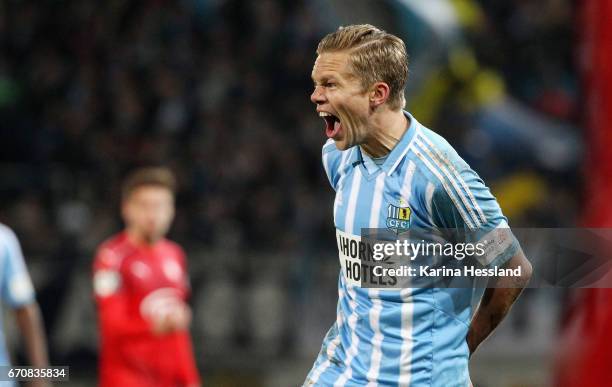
(219, 91)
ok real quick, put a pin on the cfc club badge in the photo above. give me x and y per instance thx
(398, 217)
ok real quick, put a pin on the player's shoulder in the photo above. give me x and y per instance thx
(331, 151)
(334, 160)
(331, 154)
(437, 158)
(438, 148)
(6, 234)
(115, 242)
(8, 238)
(112, 251)
(172, 247)
(329, 146)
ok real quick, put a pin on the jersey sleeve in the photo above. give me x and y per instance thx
(17, 289)
(463, 203)
(112, 297)
(332, 159)
(188, 369)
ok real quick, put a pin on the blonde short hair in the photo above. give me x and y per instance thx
(374, 56)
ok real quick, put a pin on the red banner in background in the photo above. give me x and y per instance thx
(596, 58)
(584, 353)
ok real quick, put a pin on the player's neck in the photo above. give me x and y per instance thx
(386, 131)
(138, 238)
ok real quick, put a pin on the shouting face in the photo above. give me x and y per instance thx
(341, 100)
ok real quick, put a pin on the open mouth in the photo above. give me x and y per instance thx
(332, 124)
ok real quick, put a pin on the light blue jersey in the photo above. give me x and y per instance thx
(15, 284)
(410, 336)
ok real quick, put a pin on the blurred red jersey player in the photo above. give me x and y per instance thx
(141, 287)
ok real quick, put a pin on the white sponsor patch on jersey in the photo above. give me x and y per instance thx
(348, 253)
(106, 282)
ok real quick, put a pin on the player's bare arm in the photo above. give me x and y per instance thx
(497, 301)
(30, 324)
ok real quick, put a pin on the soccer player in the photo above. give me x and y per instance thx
(18, 293)
(141, 287)
(389, 171)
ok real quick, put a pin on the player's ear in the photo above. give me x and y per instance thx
(379, 94)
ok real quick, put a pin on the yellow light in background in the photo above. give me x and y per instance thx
(488, 87)
(519, 192)
(469, 13)
(462, 63)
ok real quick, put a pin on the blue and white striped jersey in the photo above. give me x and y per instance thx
(15, 284)
(409, 336)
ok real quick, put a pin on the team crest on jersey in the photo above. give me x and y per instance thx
(398, 217)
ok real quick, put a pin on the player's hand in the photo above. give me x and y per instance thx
(177, 319)
(161, 325)
(181, 320)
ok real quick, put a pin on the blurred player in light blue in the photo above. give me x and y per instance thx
(390, 172)
(18, 294)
